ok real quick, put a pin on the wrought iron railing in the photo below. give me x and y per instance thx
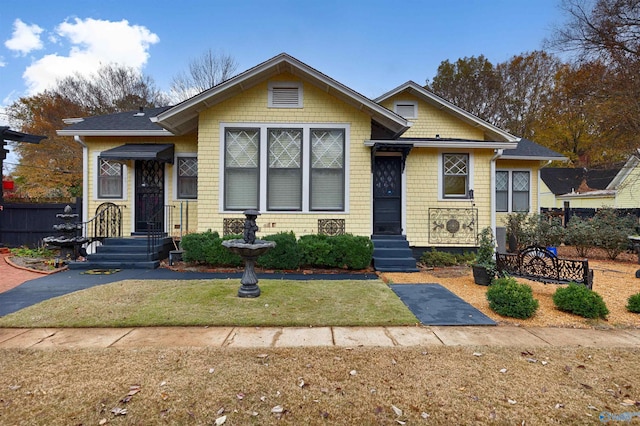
(156, 231)
(107, 223)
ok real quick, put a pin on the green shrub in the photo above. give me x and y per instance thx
(352, 252)
(465, 258)
(579, 300)
(612, 231)
(196, 245)
(285, 255)
(340, 251)
(438, 258)
(633, 303)
(206, 247)
(580, 235)
(510, 299)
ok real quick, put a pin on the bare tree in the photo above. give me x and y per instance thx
(205, 71)
(112, 88)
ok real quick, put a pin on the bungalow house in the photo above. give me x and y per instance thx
(313, 156)
(580, 188)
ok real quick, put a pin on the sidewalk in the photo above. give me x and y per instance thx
(347, 337)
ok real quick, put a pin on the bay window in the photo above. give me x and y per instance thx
(513, 191)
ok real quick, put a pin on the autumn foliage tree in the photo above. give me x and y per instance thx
(53, 168)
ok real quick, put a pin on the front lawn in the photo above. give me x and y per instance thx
(143, 303)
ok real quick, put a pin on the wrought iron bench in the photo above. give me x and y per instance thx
(539, 264)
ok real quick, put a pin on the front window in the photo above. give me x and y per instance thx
(513, 191)
(187, 177)
(327, 169)
(242, 161)
(456, 175)
(284, 180)
(109, 179)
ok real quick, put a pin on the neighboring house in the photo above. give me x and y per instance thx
(580, 188)
(313, 156)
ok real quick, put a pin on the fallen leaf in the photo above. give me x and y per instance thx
(591, 407)
(263, 398)
(301, 382)
(559, 406)
(424, 415)
(277, 409)
(221, 420)
(117, 411)
(240, 396)
(477, 354)
(586, 386)
(396, 410)
(220, 411)
(14, 387)
(400, 422)
(544, 362)
(532, 360)
(102, 422)
(503, 370)
(263, 356)
(211, 370)
(628, 402)
(511, 401)
(393, 361)
(353, 372)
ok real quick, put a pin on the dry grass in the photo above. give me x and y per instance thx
(615, 281)
(317, 386)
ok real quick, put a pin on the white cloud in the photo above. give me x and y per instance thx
(93, 43)
(2, 62)
(25, 38)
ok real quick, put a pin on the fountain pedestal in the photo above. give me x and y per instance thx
(249, 249)
(69, 240)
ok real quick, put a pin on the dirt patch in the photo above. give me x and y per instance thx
(35, 264)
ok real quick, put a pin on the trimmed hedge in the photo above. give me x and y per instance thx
(438, 258)
(340, 251)
(510, 299)
(579, 300)
(285, 255)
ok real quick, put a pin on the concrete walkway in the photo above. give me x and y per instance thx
(275, 337)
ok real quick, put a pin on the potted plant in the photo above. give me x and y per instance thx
(484, 267)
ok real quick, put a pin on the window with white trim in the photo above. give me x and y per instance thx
(242, 169)
(327, 169)
(187, 179)
(513, 189)
(272, 167)
(109, 179)
(285, 94)
(406, 109)
(284, 176)
(455, 175)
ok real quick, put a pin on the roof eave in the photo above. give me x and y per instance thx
(114, 133)
(533, 157)
(447, 144)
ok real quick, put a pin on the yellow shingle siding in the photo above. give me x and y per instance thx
(432, 121)
(318, 107)
(534, 168)
(628, 192)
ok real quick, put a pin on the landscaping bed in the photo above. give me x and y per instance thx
(615, 281)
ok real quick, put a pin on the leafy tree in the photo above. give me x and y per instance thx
(204, 72)
(471, 83)
(53, 168)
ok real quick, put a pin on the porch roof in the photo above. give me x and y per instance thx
(157, 152)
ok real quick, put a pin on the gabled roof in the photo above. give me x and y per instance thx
(183, 118)
(632, 163)
(562, 180)
(492, 132)
(529, 150)
(130, 123)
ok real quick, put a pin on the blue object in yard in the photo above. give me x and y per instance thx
(553, 250)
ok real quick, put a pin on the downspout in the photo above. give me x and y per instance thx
(85, 177)
(498, 154)
(540, 180)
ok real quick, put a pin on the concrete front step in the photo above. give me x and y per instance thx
(123, 256)
(391, 253)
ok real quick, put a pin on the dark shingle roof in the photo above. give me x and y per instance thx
(565, 180)
(527, 148)
(129, 120)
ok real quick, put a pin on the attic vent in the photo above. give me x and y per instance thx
(285, 95)
(406, 109)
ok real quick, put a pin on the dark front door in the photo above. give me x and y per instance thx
(149, 195)
(387, 195)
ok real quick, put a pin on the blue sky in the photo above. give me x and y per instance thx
(371, 46)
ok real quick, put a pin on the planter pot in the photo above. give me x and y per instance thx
(481, 275)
